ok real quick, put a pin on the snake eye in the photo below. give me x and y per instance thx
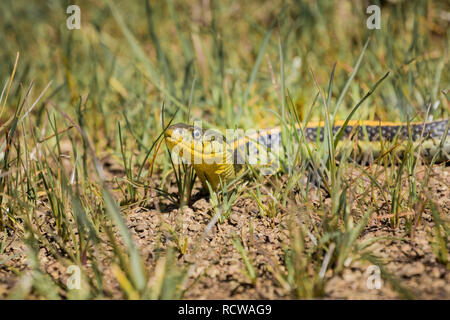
(196, 134)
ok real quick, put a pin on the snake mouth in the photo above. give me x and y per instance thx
(178, 135)
(196, 146)
(180, 141)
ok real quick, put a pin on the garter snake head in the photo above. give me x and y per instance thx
(206, 150)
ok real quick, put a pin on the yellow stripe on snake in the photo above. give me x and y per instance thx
(214, 159)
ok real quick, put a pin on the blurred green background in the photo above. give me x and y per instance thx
(223, 59)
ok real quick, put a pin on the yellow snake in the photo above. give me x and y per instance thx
(214, 159)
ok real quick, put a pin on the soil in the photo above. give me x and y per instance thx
(218, 270)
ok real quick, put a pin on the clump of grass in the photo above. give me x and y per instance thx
(224, 198)
(440, 238)
(185, 177)
(250, 269)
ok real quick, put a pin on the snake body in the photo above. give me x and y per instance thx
(214, 159)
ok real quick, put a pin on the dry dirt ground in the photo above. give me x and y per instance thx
(219, 270)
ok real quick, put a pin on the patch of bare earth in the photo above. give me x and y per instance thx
(219, 271)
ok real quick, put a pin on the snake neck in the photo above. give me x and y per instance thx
(217, 172)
